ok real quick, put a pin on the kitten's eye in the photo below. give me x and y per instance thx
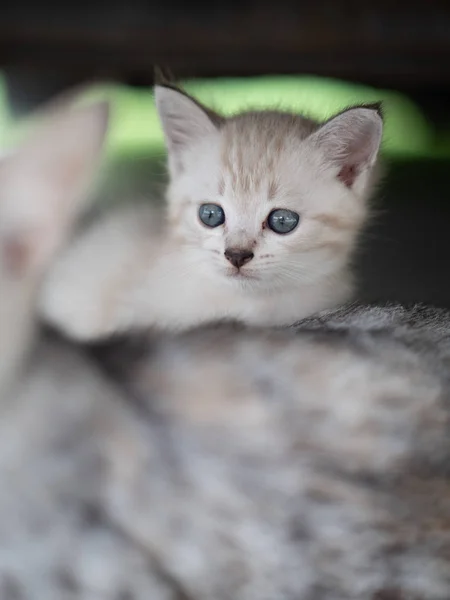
(282, 220)
(211, 215)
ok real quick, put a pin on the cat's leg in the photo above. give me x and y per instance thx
(121, 275)
(81, 293)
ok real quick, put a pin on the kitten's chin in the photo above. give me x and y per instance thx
(235, 275)
(243, 280)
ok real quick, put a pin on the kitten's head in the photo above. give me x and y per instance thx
(268, 199)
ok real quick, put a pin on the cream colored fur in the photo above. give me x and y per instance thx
(42, 188)
(134, 269)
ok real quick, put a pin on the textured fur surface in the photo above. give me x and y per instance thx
(120, 274)
(234, 463)
(310, 463)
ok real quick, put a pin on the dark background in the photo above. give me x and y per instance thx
(45, 47)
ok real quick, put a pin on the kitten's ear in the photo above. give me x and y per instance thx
(351, 141)
(184, 121)
(163, 76)
(43, 184)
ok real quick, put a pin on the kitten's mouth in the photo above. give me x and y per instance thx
(238, 274)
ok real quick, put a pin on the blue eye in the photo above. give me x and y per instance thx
(282, 220)
(211, 215)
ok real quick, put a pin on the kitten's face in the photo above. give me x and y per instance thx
(255, 198)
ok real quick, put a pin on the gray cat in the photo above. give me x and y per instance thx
(308, 463)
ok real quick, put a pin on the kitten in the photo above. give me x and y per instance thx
(264, 210)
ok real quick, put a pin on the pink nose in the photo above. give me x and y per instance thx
(238, 257)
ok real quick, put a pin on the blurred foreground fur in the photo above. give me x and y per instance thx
(226, 463)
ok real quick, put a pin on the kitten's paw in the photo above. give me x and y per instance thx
(84, 292)
(72, 309)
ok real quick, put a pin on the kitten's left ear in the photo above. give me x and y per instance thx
(351, 141)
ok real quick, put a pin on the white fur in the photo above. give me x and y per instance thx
(125, 273)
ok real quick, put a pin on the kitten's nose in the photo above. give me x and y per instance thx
(238, 257)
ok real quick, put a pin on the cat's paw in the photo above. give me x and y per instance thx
(72, 308)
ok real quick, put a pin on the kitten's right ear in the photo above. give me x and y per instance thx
(184, 122)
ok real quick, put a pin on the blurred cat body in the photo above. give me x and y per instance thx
(42, 191)
(264, 210)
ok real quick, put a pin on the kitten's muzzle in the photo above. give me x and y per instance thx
(238, 257)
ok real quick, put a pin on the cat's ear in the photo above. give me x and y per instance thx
(184, 122)
(43, 184)
(350, 141)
